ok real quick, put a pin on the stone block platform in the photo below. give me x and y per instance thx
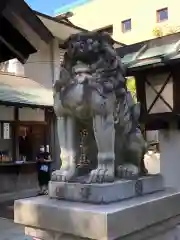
(153, 216)
(106, 192)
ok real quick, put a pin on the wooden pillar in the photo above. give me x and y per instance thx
(47, 129)
(15, 136)
(140, 92)
(176, 86)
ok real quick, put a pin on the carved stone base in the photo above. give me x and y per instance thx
(106, 192)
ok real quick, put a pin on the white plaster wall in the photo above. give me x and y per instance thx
(29, 114)
(6, 113)
(39, 66)
(170, 157)
(42, 66)
(101, 13)
(157, 82)
(12, 66)
(58, 55)
(151, 136)
(16, 67)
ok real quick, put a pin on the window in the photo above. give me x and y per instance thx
(162, 15)
(126, 25)
(108, 29)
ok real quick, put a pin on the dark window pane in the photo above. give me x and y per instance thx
(126, 25)
(162, 15)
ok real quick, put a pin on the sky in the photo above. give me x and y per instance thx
(52, 7)
(48, 6)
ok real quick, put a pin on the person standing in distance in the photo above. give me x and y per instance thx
(44, 172)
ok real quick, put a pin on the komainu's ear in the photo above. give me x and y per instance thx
(105, 37)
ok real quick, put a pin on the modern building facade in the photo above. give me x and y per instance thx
(127, 21)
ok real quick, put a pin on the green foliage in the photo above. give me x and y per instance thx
(131, 85)
(157, 32)
(160, 31)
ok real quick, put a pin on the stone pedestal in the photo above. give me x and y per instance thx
(154, 216)
(106, 192)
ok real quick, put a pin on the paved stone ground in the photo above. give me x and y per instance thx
(8, 229)
(11, 231)
(7, 210)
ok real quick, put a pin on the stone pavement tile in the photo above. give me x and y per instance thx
(14, 237)
(11, 231)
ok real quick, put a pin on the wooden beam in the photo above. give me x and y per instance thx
(3, 4)
(176, 86)
(140, 92)
(16, 52)
(139, 53)
(23, 11)
(22, 17)
(15, 134)
(24, 29)
(21, 105)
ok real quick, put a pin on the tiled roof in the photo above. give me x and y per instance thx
(149, 56)
(22, 90)
(147, 53)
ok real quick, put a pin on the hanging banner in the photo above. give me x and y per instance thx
(6, 130)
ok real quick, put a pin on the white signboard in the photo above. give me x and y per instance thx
(6, 131)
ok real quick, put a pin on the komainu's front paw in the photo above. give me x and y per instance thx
(101, 175)
(64, 175)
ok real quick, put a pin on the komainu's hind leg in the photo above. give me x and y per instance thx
(135, 150)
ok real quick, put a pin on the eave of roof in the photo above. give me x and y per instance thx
(151, 53)
(60, 29)
(55, 19)
(68, 23)
(20, 8)
(19, 90)
(18, 20)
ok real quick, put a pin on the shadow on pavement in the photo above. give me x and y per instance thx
(7, 210)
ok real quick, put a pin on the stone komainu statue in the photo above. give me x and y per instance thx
(91, 98)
